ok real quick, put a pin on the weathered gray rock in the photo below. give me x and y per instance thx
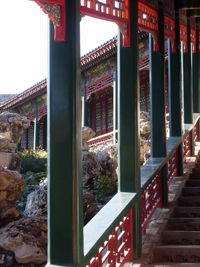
(103, 158)
(145, 150)
(11, 161)
(106, 161)
(12, 184)
(36, 205)
(87, 133)
(145, 128)
(90, 168)
(4, 142)
(12, 126)
(85, 146)
(90, 206)
(27, 239)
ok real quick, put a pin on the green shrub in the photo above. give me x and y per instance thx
(105, 185)
(29, 153)
(34, 161)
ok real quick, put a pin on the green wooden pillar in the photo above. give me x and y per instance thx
(175, 96)
(129, 164)
(115, 109)
(195, 76)
(187, 79)
(198, 73)
(65, 222)
(157, 100)
(36, 136)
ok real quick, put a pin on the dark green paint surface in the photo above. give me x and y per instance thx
(174, 83)
(65, 224)
(196, 78)
(187, 79)
(157, 92)
(128, 92)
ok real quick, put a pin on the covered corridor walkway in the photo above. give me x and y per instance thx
(114, 236)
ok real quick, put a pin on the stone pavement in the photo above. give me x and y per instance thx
(160, 218)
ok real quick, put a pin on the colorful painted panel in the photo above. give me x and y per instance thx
(55, 9)
(101, 70)
(148, 21)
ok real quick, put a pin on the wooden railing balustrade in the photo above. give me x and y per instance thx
(116, 245)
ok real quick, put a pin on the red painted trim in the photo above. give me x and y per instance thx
(193, 39)
(109, 11)
(59, 7)
(150, 200)
(148, 21)
(183, 35)
(170, 31)
(101, 100)
(116, 255)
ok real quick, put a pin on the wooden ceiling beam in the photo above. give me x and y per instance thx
(194, 12)
(188, 4)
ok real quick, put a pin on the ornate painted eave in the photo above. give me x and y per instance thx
(89, 60)
(31, 92)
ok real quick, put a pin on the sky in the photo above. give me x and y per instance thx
(24, 43)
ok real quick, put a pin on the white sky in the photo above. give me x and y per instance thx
(23, 46)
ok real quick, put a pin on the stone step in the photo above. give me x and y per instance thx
(193, 183)
(181, 237)
(195, 174)
(189, 201)
(175, 253)
(184, 224)
(191, 191)
(187, 212)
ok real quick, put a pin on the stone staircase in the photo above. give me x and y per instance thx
(180, 243)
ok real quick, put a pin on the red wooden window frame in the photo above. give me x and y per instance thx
(92, 109)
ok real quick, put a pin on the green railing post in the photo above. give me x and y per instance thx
(36, 136)
(174, 83)
(187, 83)
(115, 109)
(196, 76)
(157, 100)
(196, 93)
(65, 222)
(129, 164)
(187, 79)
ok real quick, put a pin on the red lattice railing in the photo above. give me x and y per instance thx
(173, 166)
(118, 249)
(151, 199)
(187, 147)
(196, 132)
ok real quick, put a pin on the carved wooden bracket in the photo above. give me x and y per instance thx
(55, 9)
